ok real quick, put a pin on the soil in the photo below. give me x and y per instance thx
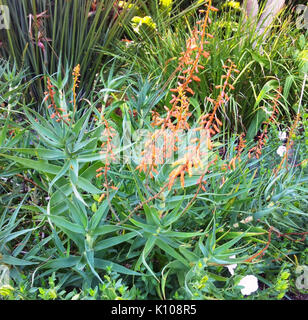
(296, 296)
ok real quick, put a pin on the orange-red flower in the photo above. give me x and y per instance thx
(57, 112)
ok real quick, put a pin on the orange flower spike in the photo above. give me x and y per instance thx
(218, 121)
(56, 114)
(263, 137)
(176, 172)
(213, 9)
(222, 98)
(195, 78)
(216, 128)
(101, 197)
(177, 117)
(76, 74)
(182, 179)
(171, 182)
(189, 168)
(232, 163)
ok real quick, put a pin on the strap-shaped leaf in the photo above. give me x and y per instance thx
(104, 264)
(110, 242)
(172, 252)
(101, 213)
(10, 260)
(62, 263)
(62, 222)
(77, 194)
(35, 164)
(87, 186)
(174, 215)
(89, 253)
(145, 252)
(48, 154)
(59, 175)
(42, 130)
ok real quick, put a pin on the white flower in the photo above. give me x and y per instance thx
(282, 135)
(231, 267)
(281, 150)
(250, 284)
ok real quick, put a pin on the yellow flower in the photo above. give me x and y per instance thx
(233, 4)
(166, 4)
(139, 21)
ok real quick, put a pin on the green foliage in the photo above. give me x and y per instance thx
(112, 288)
(270, 65)
(46, 35)
(62, 240)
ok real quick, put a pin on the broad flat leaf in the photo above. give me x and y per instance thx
(110, 242)
(62, 263)
(59, 175)
(78, 195)
(101, 213)
(41, 153)
(103, 264)
(44, 130)
(37, 165)
(172, 252)
(90, 259)
(87, 186)
(15, 261)
(61, 222)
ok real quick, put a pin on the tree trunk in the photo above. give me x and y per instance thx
(251, 8)
(271, 9)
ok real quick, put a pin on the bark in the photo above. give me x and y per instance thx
(251, 8)
(271, 10)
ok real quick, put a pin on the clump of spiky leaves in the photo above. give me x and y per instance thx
(45, 35)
